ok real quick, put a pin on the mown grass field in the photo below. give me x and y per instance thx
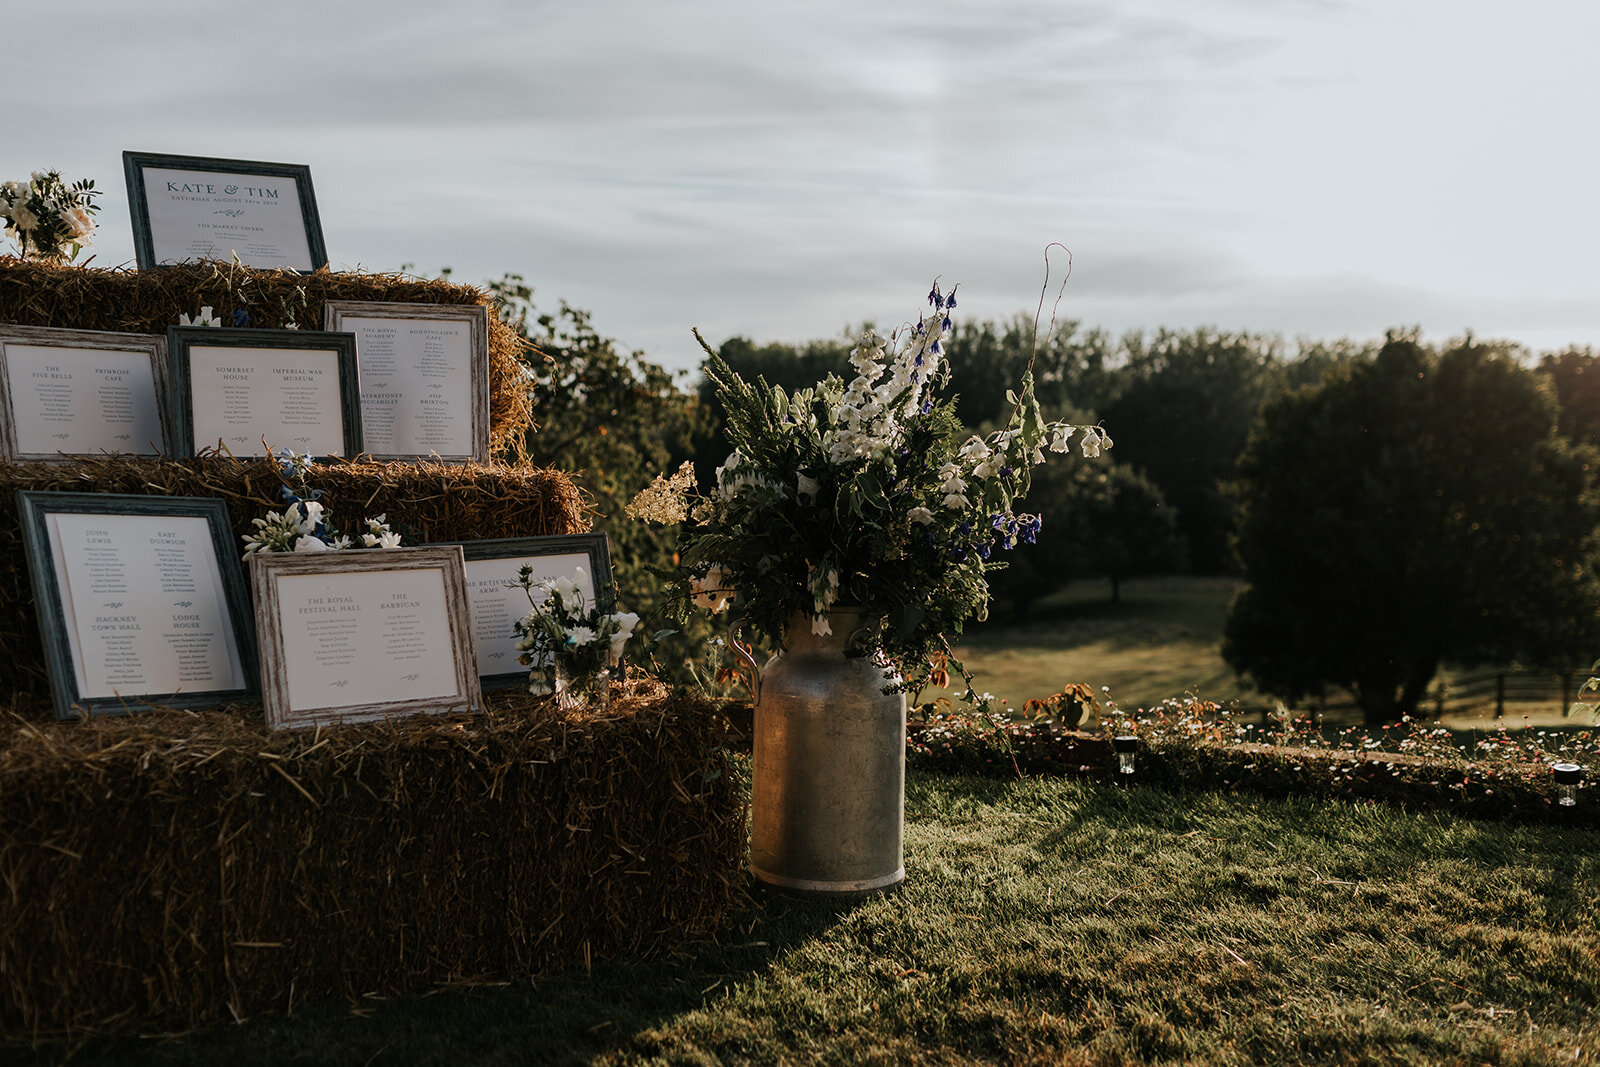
(1063, 922)
(1163, 639)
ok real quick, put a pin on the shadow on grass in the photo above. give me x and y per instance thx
(571, 1017)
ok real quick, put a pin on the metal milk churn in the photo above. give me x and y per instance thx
(828, 791)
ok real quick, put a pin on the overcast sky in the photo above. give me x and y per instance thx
(1312, 167)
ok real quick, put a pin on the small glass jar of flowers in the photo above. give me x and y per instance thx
(868, 494)
(571, 646)
(50, 220)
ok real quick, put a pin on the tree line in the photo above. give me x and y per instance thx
(1390, 505)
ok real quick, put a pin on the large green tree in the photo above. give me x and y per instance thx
(1414, 509)
(1185, 409)
(1575, 372)
(1102, 519)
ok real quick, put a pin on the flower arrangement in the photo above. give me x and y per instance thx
(569, 644)
(303, 524)
(48, 218)
(868, 494)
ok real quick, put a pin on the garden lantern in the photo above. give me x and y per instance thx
(1568, 777)
(1126, 746)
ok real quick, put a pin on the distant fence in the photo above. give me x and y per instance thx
(1483, 693)
(1496, 689)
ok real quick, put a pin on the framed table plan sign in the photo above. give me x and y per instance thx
(191, 208)
(493, 568)
(66, 393)
(424, 371)
(258, 391)
(363, 635)
(140, 600)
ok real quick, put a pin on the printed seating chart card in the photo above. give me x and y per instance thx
(67, 393)
(497, 602)
(192, 208)
(362, 635)
(257, 391)
(424, 371)
(140, 600)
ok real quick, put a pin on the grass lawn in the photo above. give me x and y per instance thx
(1066, 921)
(1163, 639)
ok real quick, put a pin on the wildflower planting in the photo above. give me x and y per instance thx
(1199, 743)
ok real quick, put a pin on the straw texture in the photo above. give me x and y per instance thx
(172, 869)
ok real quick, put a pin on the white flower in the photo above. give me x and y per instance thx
(566, 587)
(310, 516)
(956, 502)
(625, 622)
(820, 627)
(866, 355)
(388, 540)
(307, 543)
(22, 218)
(920, 515)
(975, 448)
(369, 540)
(343, 542)
(1090, 444)
(1061, 436)
(581, 635)
(987, 468)
(79, 224)
(205, 318)
(709, 592)
(805, 486)
(953, 484)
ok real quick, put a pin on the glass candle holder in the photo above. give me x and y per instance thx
(1126, 748)
(1569, 776)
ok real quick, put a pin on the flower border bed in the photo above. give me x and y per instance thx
(1183, 744)
(174, 869)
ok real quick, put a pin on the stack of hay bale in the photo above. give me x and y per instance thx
(173, 868)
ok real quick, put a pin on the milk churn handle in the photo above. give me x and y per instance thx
(755, 668)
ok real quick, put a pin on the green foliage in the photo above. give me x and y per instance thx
(1575, 373)
(1183, 415)
(863, 495)
(1413, 509)
(614, 420)
(1072, 370)
(1100, 520)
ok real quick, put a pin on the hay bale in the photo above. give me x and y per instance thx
(426, 501)
(133, 301)
(175, 869)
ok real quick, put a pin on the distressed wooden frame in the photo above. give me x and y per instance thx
(134, 165)
(87, 341)
(335, 312)
(266, 569)
(341, 347)
(34, 506)
(596, 546)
